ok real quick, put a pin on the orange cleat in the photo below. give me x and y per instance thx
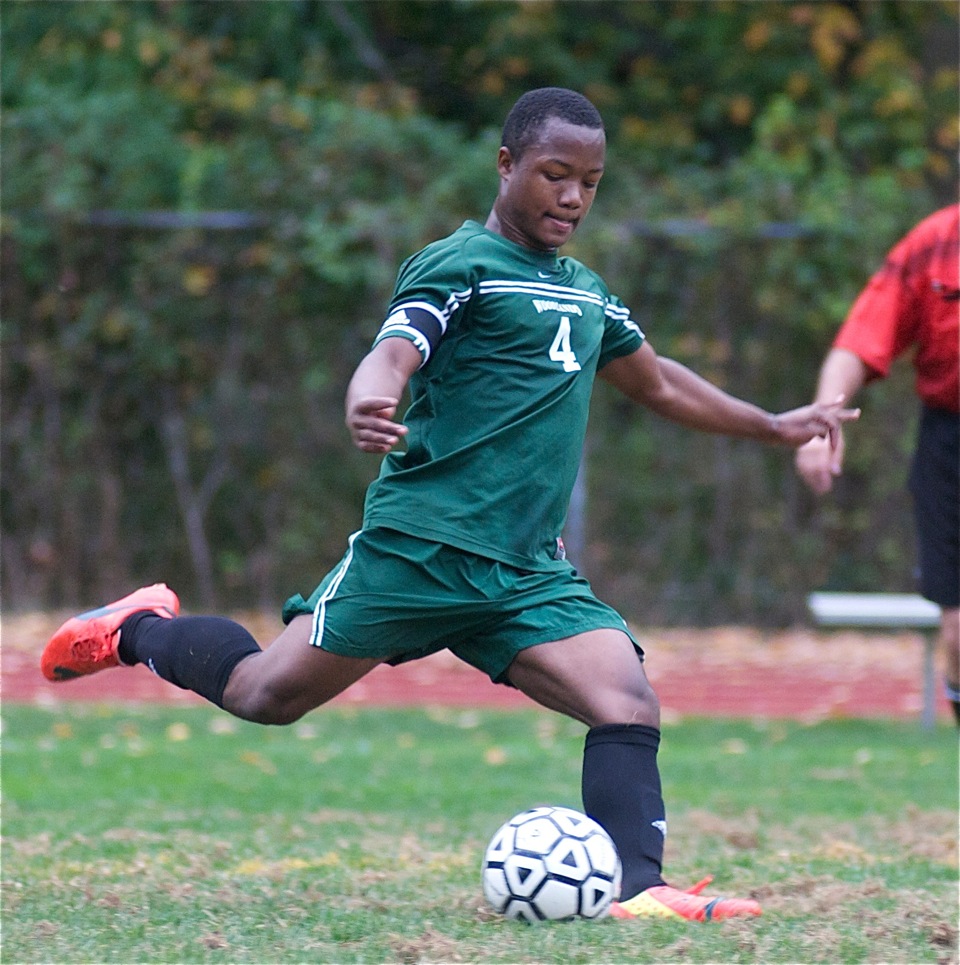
(663, 901)
(88, 642)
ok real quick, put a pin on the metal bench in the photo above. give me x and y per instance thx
(886, 611)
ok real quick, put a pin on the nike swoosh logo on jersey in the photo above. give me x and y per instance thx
(544, 275)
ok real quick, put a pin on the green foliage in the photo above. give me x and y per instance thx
(181, 835)
(205, 206)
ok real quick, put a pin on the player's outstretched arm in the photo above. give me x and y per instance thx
(676, 393)
(374, 393)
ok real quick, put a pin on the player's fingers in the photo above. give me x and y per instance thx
(375, 445)
(378, 422)
(374, 404)
(378, 435)
(373, 421)
(817, 478)
(822, 483)
(837, 410)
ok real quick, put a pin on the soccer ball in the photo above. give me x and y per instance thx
(551, 863)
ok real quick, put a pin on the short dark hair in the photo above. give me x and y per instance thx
(536, 107)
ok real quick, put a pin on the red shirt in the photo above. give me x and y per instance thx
(914, 300)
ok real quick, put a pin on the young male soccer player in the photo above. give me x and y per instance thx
(499, 339)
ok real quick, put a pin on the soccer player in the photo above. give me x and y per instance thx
(499, 340)
(912, 301)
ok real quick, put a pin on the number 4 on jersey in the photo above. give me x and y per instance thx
(561, 351)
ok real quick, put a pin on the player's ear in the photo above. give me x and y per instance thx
(504, 161)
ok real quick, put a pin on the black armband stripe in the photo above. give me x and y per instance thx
(420, 322)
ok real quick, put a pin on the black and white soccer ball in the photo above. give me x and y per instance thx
(551, 863)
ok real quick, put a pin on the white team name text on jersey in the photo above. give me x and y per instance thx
(542, 306)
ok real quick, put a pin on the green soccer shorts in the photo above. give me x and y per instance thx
(397, 597)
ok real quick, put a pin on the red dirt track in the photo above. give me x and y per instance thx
(726, 671)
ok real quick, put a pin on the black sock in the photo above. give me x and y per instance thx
(621, 792)
(195, 653)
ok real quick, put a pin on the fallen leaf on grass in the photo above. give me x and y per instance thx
(258, 761)
(495, 756)
(431, 946)
(844, 851)
(178, 732)
(943, 935)
(214, 940)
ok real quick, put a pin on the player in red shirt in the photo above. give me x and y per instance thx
(913, 301)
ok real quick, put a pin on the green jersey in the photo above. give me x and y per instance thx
(511, 340)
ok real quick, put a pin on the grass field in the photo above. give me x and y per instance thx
(157, 834)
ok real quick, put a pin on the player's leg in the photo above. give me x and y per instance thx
(291, 677)
(949, 645)
(220, 660)
(212, 656)
(391, 597)
(935, 486)
(597, 677)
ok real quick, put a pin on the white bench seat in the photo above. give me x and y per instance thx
(885, 611)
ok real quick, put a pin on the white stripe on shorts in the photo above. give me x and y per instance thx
(320, 610)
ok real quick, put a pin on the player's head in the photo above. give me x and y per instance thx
(550, 163)
(531, 112)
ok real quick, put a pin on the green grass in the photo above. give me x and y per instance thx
(181, 835)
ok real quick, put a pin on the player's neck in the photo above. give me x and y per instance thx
(494, 224)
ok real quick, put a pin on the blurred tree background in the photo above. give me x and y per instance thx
(205, 204)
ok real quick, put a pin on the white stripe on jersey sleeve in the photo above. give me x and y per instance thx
(621, 313)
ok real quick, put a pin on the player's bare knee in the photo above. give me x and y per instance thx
(261, 703)
(279, 714)
(643, 706)
(646, 712)
(627, 707)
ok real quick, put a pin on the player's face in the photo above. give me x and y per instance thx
(547, 192)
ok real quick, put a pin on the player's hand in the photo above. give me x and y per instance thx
(371, 425)
(818, 464)
(818, 421)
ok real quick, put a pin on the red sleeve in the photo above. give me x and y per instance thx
(883, 320)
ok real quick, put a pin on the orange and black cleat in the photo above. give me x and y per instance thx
(88, 643)
(663, 901)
